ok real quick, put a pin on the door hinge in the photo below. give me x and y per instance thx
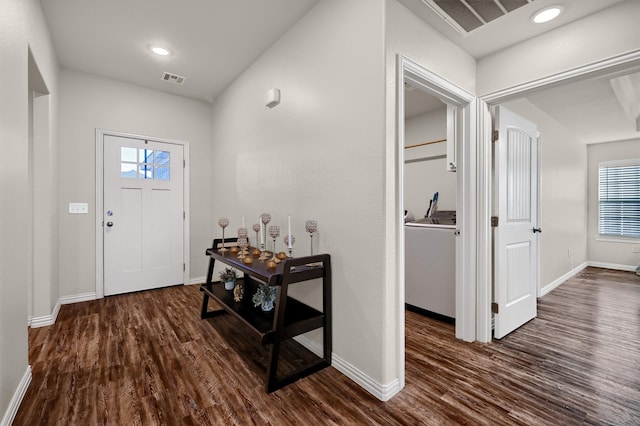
(494, 308)
(496, 135)
(184, 164)
(184, 266)
(494, 221)
(184, 215)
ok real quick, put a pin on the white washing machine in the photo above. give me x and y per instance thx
(430, 265)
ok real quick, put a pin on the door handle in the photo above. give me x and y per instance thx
(109, 224)
(537, 230)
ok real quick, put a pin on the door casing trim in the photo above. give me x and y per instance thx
(408, 70)
(100, 134)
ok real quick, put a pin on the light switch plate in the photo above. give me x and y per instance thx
(78, 208)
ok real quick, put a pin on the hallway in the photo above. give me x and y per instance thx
(147, 358)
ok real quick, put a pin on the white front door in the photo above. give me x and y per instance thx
(143, 214)
(516, 235)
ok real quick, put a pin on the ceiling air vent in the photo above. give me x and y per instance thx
(173, 78)
(468, 15)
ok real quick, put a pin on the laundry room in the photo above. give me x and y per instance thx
(430, 206)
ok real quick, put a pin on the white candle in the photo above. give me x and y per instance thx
(243, 221)
(261, 230)
(290, 245)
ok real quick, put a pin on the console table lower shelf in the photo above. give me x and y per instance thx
(288, 319)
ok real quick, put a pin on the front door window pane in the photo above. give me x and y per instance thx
(128, 154)
(162, 173)
(128, 170)
(162, 158)
(140, 163)
(146, 171)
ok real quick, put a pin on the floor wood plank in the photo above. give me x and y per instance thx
(147, 358)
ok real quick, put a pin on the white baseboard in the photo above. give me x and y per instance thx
(77, 298)
(616, 266)
(47, 320)
(16, 400)
(546, 289)
(380, 391)
(197, 280)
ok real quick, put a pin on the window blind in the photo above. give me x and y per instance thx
(619, 196)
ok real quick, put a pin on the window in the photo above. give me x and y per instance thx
(144, 164)
(619, 198)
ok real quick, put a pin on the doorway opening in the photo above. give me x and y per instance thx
(430, 195)
(451, 117)
(563, 250)
(42, 273)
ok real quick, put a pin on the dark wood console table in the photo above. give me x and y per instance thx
(289, 317)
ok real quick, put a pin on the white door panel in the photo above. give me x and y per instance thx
(143, 214)
(515, 204)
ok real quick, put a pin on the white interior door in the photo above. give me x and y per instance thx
(143, 214)
(516, 236)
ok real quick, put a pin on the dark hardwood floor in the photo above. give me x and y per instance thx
(148, 358)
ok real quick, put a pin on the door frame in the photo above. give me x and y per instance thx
(616, 64)
(429, 82)
(100, 133)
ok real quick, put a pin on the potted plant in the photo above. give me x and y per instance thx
(228, 277)
(265, 296)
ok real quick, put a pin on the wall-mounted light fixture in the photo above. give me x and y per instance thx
(272, 97)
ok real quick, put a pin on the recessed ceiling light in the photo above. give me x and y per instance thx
(162, 51)
(547, 14)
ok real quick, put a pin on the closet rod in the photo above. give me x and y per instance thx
(424, 143)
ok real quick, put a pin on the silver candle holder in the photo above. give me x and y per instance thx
(289, 246)
(265, 218)
(223, 222)
(311, 226)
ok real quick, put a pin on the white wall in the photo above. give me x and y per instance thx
(88, 102)
(22, 27)
(318, 155)
(425, 166)
(611, 32)
(563, 194)
(609, 252)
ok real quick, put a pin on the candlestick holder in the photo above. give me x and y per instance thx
(223, 222)
(311, 226)
(265, 218)
(256, 249)
(242, 242)
(243, 233)
(289, 246)
(274, 232)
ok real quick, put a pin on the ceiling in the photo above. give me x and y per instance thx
(212, 41)
(590, 109)
(417, 102)
(492, 37)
